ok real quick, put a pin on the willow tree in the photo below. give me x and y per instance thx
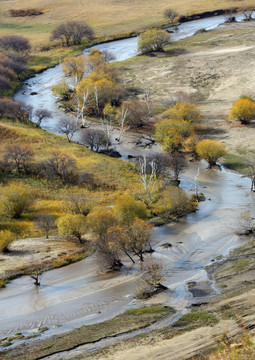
(243, 110)
(171, 134)
(210, 150)
(153, 40)
(183, 111)
(75, 67)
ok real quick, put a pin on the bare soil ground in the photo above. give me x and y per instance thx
(215, 67)
(37, 252)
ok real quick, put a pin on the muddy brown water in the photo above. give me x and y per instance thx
(80, 293)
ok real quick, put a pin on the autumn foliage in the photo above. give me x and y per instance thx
(153, 40)
(243, 110)
(6, 238)
(183, 111)
(210, 150)
(171, 134)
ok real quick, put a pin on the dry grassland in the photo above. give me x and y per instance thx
(107, 17)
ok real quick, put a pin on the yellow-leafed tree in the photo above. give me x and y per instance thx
(171, 134)
(75, 67)
(74, 225)
(183, 111)
(243, 110)
(210, 150)
(6, 238)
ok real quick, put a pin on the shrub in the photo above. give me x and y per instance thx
(171, 134)
(210, 150)
(19, 158)
(243, 110)
(14, 201)
(6, 238)
(136, 112)
(15, 43)
(25, 12)
(128, 209)
(61, 90)
(174, 203)
(183, 111)
(72, 225)
(60, 166)
(4, 84)
(100, 221)
(72, 32)
(153, 40)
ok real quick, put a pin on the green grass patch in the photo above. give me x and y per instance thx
(234, 162)
(241, 265)
(147, 310)
(197, 319)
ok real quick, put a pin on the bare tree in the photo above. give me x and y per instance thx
(68, 127)
(250, 164)
(6, 72)
(147, 100)
(93, 138)
(177, 163)
(122, 116)
(230, 15)
(5, 105)
(19, 158)
(171, 15)
(72, 32)
(40, 115)
(81, 101)
(20, 111)
(78, 204)
(137, 113)
(36, 274)
(4, 85)
(152, 277)
(15, 62)
(247, 12)
(148, 177)
(108, 56)
(139, 234)
(108, 257)
(45, 222)
(15, 43)
(60, 166)
(159, 161)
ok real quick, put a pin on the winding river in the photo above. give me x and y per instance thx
(80, 293)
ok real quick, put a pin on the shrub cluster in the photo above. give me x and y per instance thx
(25, 12)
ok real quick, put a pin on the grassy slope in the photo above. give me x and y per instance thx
(106, 17)
(112, 175)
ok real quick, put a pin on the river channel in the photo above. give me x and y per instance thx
(80, 293)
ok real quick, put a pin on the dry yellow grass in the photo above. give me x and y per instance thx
(107, 17)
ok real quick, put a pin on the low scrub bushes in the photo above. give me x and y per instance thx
(25, 12)
(6, 238)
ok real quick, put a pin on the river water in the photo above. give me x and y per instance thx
(80, 293)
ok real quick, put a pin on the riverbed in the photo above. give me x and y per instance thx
(80, 293)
